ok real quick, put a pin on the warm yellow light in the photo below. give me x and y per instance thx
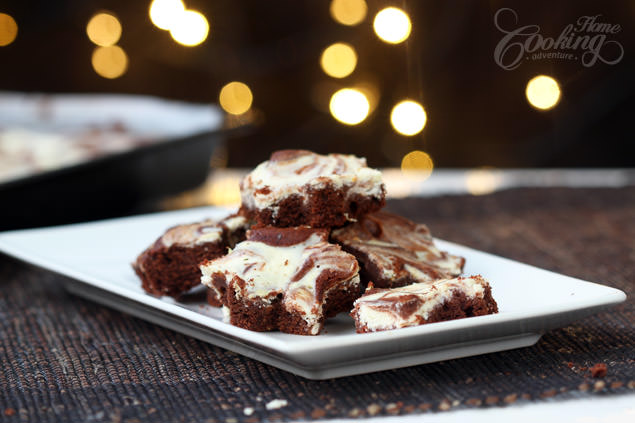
(190, 28)
(224, 191)
(392, 25)
(419, 162)
(339, 60)
(349, 106)
(408, 117)
(104, 29)
(543, 92)
(110, 62)
(482, 181)
(369, 87)
(8, 29)
(348, 12)
(163, 13)
(235, 98)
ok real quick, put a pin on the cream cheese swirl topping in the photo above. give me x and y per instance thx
(290, 172)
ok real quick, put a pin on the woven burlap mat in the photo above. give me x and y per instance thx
(67, 359)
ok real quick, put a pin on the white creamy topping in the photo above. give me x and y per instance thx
(26, 151)
(400, 249)
(384, 309)
(272, 270)
(201, 232)
(273, 181)
(192, 234)
(226, 314)
(417, 274)
(234, 223)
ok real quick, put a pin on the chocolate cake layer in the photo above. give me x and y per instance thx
(394, 251)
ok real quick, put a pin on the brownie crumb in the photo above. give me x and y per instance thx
(297, 414)
(445, 405)
(318, 413)
(491, 400)
(548, 393)
(425, 406)
(373, 409)
(617, 384)
(9, 411)
(598, 370)
(276, 404)
(510, 399)
(394, 408)
(355, 412)
(474, 402)
(599, 385)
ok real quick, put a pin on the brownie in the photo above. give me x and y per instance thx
(422, 303)
(287, 279)
(170, 266)
(394, 251)
(298, 187)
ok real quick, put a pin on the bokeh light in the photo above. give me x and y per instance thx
(235, 98)
(408, 117)
(392, 25)
(190, 28)
(223, 191)
(339, 60)
(369, 86)
(348, 12)
(104, 29)
(349, 106)
(543, 92)
(482, 181)
(110, 62)
(8, 29)
(417, 161)
(163, 13)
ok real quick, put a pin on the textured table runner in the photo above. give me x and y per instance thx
(67, 359)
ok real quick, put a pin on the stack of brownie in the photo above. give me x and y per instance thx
(317, 245)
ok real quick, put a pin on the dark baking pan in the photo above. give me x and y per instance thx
(107, 186)
(111, 185)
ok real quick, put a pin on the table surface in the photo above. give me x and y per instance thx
(65, 358)
(221, 187)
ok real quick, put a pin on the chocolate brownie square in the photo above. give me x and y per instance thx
(170, 266)
(421, 303)
(298, 187)
(394, 251)
(287, 279)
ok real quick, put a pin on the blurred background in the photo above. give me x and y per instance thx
(411, 84)
(478, 114)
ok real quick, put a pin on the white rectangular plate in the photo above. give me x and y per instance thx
(96, 259)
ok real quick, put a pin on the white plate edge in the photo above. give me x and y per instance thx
(612, 295)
